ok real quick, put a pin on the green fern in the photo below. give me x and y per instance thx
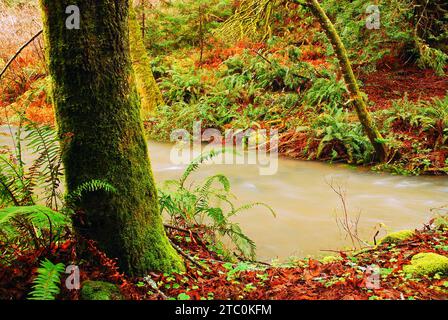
(17, 179)
(431, 58)
(340, 139)
(86, 187)
(46, 285)
(209, 206)
(194, 165)
(15, 187)
(44, 142)
(36, 225)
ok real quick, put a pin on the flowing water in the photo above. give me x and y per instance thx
(305, 204)
(307, 207)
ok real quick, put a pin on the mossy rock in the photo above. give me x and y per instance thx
(427, 264)
(397, 237)
(331, 259)
(100, 290)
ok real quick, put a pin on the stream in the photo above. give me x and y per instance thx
(305, 204)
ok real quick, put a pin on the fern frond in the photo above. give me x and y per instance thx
(46, 285)
(252, 205)
(90, 186)
(243, 243)
(34, 220)
(194, 165)
(44, 142)
(14, 187)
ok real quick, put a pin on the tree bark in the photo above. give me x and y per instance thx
(147, 87)
(350, 80)
(99, 121)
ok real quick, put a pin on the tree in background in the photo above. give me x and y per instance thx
(350, 80)
(99, 121)
(147, 88)
(253, 17)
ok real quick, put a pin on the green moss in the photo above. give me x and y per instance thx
(331, 259)
(147, 88)
(100, 290)
(100, 126)
(397, 237)
(427, 264)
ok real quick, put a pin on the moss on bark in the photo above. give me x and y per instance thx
(147, 88)
(99, 122)
(350, 80)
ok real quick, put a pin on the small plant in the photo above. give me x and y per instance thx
(46, 285)
(234, 271)
(431, 58)
(341, 139)
(200, 206)
(18, 180)
(32, 227)
(327, 94)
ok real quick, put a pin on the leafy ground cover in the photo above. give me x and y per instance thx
(208, 277)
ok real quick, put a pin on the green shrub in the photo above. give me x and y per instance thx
(340, 139)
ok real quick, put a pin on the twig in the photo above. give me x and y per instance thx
(18, 52)
(178, 228)
(242, 259)
(186, 256)
(153, 285)
(374, 237)
(261, 56)
(193, 234)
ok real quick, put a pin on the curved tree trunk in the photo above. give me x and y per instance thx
(99, 121)
(147, 87)
(350, 80)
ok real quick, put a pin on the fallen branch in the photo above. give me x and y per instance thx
(186, 256)
(194, 235)
(153, 285)
(178, 228)
(18, 52)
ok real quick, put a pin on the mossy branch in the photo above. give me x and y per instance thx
(349, 77)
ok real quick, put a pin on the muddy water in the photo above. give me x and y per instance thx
(307, 207)
(305, 204)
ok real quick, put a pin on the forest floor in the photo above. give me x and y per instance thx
(394, 79)
(343, 276)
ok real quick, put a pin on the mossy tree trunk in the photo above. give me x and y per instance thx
(350, 80)
(148, 90)
(99, 122)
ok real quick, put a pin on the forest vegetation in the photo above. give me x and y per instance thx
(341, 83)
